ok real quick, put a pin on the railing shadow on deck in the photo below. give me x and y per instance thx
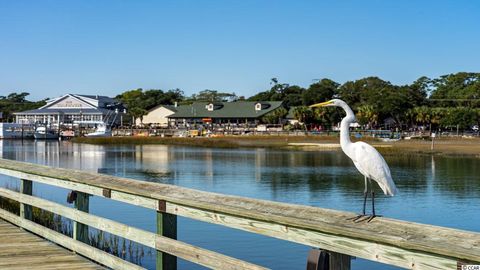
(399, 243)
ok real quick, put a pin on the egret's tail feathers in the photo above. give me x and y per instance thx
(388, 188)
(391, 191)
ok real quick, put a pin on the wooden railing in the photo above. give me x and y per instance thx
(404, 244)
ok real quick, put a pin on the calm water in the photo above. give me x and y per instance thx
(435, 190)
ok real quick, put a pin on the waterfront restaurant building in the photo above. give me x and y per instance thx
(238, 112)
(71, 107)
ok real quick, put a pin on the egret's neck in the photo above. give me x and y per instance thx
(345, 141)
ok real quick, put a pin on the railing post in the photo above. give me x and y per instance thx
(166, 226)
(339, 261)
(327, 260)
(25, 209)
(80, 231)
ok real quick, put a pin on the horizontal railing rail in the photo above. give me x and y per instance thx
(404, 244)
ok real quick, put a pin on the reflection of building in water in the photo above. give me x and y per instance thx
(152, 158)
(209, 165)
(87, 157)
(56, 154)
(431, 178)
(260, 157)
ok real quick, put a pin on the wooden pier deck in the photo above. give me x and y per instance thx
(20, 249)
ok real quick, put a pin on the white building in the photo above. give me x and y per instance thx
(71, 107)
(157, 116)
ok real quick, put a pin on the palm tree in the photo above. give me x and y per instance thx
(367, 115)
(422, 115)
(302, 113)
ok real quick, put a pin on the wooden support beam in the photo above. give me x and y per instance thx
(338, 261)
(327, 260)
(80, 231)
(317, 259)
(26, 187)
(166, 226)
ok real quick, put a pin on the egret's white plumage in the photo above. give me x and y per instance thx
(372, 165)
(365, 157)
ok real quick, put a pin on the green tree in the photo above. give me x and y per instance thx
(291, 95)
(138, 102)
(274, 117)
(463, 117)
(387, 100)
(17, 102)
(155, 97)
(135, 101)
(367, 115)
(323, 90)
(214, 96)
(461, 85)
(303, 114)
(422, 115)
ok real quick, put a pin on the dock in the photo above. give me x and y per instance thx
(20, 249)
(395, 242)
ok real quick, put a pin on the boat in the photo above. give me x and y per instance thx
(101, 131)
(44, 133)
(101, 128)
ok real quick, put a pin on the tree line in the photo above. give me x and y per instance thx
(17, 102)
(447, 101)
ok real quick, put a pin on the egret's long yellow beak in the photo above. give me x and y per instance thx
(323, 104)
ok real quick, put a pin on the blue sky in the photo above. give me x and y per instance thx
(49, 48)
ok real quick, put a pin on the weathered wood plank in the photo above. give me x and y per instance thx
(198, 255)
(29, 251)
(67, 242)
(93, 190)
(404, 236)
(337, 243)
(26, 187)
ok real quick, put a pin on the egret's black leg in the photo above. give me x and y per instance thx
(365, 195)
(373, 203)
(373, 208)
(364, 201)
(358, 218)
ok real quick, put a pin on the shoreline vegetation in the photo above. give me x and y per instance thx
(443, 146)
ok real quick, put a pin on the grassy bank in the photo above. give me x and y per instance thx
(219, 142)
(443, 146)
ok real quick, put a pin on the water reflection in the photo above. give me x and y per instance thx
(435, 190)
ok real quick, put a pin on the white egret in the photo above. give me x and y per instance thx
(365, 157)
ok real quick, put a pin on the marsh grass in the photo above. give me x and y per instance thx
(444, 146)
(120, 247)
(199, 142)
(266, 141)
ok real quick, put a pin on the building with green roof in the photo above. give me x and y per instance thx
(238, 112)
